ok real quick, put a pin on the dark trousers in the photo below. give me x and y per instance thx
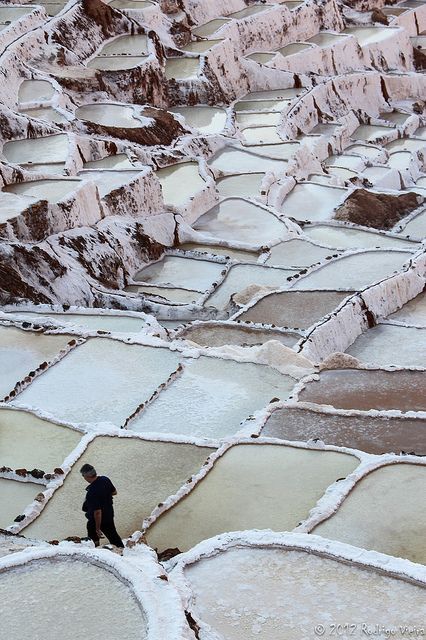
(108, 529)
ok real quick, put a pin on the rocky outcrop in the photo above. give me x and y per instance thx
(377, 210)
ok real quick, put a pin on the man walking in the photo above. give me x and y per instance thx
(98, 507)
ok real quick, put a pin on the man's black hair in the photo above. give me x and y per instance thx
(88, 470)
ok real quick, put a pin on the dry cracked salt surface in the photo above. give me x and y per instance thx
(212, 259)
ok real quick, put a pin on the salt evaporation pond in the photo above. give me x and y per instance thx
(182, 68)
(118, 161)
(94, 380)
(251, 486)
(370, 35)
(144, 473)
(50, 148)
(374, 435)
(326, 39)
(355, 271)
(245, 119)
(76, 604)
(209, 28)
(273, 94)
(387, 344)
(294, 47)
(14, 497)
(385, 511)
(268, 106)
(246, 185)
(180, 182)
(27, 442)
(365, 150)
(261, 135)
(293, 308)
(101, 322)
(237, 220)
(111, 115)
(200, 46)
(344, 237)
(231, 160)
(370, 132)
(250, 11)
(125, 45)
(217, 335)
(45, 113)
(285, 594)
(115, 63)
(205, 119)
(364, 390)
(296, 253)
(35, 91)
(188, 273)
(416, 228)
(406, 144)
(51, 190)
(211, 397)
(310, 201)
(24, 351)
(279, 151)
(221, 250)
(413, 312)
(168, 294)
(354, 163)
(242, 276)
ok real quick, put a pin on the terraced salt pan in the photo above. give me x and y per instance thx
(413, 312)
(125, 45)
(22, 352)
(269, 106)
(279, 151)
(119, 161)
(400, 160)
(284, 594)
(261, 58)
(208, 29)
(406, 144)
(294, 47)
(10, 206)
(391, 501)
(230, 252)
(201, 46)
(10, 14)
(245, 185)
(131, 4)
(375, 173)
(14, 497)
(76, 591)
(231, 160)
(217, 335)
(326, 39)
(310, 201)
(367, 433)
(370, 35)
(251, 487)
(355, 271)
(111, 115)
(353, 163)
(273, 94)
(35, 91)
(116, 63)
(296, 253)
(351, 238)
(182, 68)
(102, 380)
(212, 397)
(260, 119)
(26, 442)
(205, 119)
(143, 472)
(340, 172)
(250, 11)
(180, 182)
(246, 275)
(45, 113)
(299, 309)
(50, 189)
(261, 135)
(370, 132)
(364, 390)
(366, 150)
(103, 322)
(49, 148)
(168, 294)
(387, 344)
(396, 117)
(237, 220)
(108, 180)
(416, 228)
(181, 272)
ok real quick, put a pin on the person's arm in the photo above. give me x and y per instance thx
(98, 519)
